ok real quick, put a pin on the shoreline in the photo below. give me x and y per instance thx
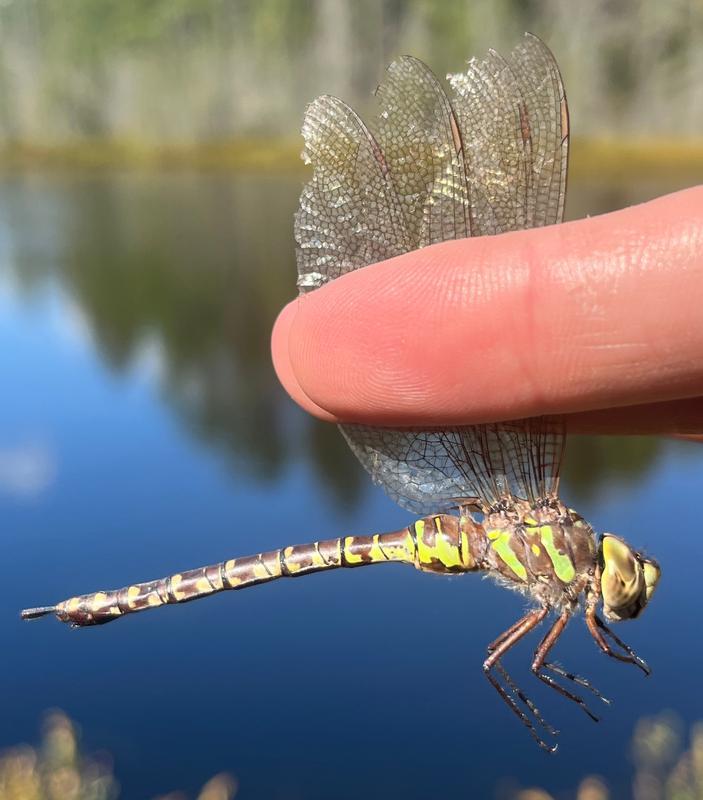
(600, 157)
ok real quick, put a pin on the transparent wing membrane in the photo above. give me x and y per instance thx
(420, 136)
(490, 157)
(442, 469)
(349, 214)
(514, 118)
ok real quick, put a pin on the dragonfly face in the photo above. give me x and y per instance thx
(627, 579)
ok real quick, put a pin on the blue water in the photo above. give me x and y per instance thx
(142, 431)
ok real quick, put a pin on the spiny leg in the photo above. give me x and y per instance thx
(498, 649)
(552, 667)
(517, 691)
(577, 679)
(597, 628)
(514, 688)
(539, 666)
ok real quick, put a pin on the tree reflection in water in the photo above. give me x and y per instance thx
(187, 271)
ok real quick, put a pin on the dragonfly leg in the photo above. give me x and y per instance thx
(514, 688)
(503, 636)
(497, 649)
(599, 630)
(517, 691)
(577, 679)
(540, 668)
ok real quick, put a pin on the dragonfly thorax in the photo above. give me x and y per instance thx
(541, 548)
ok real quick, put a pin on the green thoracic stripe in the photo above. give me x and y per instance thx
(500, 542)
(563, 566)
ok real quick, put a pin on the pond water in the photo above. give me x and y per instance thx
(142, 431)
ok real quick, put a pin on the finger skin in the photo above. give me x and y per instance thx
(596, 314)
(283, 367)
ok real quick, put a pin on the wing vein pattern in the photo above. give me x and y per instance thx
(489, 156)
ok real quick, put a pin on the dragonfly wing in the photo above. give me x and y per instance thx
(420, 136)
(530, 452)
(424, 471)
(515, 127)
(349, 215)
(440, 469)
(491, 159)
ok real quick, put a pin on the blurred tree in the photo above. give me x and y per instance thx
(195, 71)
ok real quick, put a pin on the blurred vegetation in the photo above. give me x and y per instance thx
(664, 770)
(57, 770)
(209, 80)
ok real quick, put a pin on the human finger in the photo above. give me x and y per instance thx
(593, 314)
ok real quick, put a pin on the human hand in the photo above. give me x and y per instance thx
(600, 319)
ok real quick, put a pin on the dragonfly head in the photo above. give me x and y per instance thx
(627, 579)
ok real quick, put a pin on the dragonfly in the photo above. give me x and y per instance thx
(486, 156)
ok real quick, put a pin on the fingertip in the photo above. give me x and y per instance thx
(280, 354)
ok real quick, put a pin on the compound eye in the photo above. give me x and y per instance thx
(652, 573)
(622, 578)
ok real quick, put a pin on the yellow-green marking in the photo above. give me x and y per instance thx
(563, 565)
(500, 542)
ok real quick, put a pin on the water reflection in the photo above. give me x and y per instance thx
(594, 461)
(184, 274)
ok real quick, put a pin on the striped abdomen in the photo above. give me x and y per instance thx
(442, 544)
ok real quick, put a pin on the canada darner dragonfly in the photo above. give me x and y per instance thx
(490, 158)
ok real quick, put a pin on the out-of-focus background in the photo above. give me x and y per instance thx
(148, 178)
(171, 73)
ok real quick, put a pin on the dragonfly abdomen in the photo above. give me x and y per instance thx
(441, 543)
